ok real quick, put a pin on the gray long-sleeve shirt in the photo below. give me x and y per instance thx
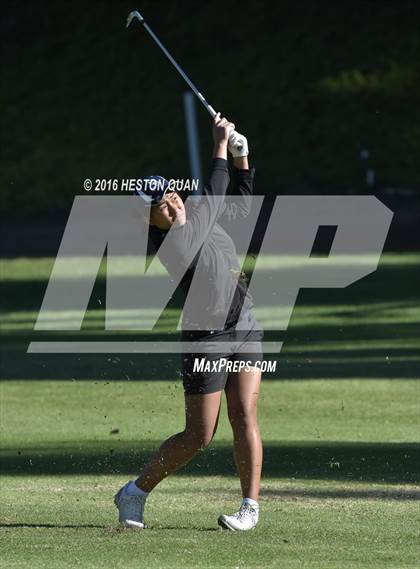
(219, 290)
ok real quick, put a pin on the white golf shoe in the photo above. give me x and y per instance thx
(130, 508)
(246, 518)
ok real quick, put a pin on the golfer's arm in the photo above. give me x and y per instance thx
(241, 162)
(215, 190)
(220, 150)
(239, 202)
(201, 219)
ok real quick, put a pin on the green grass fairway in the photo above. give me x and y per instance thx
(339, 420)
(339, 487)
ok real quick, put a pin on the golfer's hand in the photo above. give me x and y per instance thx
(177, 213)
(222, 129)
(238, 145)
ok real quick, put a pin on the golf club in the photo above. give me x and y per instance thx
(209, 108)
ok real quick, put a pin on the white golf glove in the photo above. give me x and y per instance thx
(238, 145)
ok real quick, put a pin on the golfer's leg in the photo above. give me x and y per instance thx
(201, 417)
(242, 391)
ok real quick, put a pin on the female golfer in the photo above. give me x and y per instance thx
(202, 251)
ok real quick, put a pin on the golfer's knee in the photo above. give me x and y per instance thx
(243, 419)
(198, 440)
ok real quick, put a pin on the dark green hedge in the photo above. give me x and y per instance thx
(309, 83)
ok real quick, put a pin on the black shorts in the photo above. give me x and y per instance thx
(207, 371)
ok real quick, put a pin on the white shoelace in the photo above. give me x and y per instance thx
(245, 510)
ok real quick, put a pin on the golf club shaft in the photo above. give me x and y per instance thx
(208, 107)
(137, 15)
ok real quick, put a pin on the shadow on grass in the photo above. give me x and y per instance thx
(54, 526)
(297, 360)
(400, 495)
(110, 530)
(389, 284)
(373, 462)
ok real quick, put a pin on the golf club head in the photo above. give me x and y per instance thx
(133, 15)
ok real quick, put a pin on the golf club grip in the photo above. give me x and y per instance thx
(239, 147)
(213, 113)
